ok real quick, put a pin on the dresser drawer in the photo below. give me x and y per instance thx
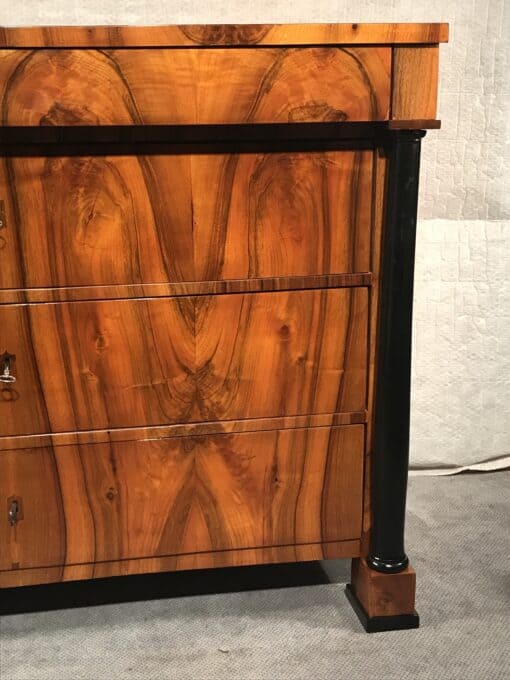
(111, 364)
(100, 502)
(201, 86)
(124, 220)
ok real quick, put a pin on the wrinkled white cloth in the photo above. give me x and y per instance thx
(460, 406)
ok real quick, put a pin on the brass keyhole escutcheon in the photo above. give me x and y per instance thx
(14, 510)
(6, 365)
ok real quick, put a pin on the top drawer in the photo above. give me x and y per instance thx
(115, 220)
(194, 86)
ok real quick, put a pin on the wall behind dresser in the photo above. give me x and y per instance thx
(461, 366)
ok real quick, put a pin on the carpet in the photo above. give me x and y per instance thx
(293, 621)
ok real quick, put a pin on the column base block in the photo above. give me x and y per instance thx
(379, 624)
(383, 601)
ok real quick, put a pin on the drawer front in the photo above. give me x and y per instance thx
(138, 499)
(126, 363)
(186, 86)
(124, 220)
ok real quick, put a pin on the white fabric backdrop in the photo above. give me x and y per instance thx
(461, 365)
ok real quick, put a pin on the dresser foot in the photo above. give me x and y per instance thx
(382, 602)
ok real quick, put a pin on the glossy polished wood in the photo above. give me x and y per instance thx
(380, 181)
(108, 502)
(304, 552)
(415, 84)
(222, 34)
(183, 288)
(190, 287)
(127, 434)
(98, 365)
(383, 594)
(205, 86)
(126, 220)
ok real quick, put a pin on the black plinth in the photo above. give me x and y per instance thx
(379, 624)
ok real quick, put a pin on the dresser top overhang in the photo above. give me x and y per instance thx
(223, 35)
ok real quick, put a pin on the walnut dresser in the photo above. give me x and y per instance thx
(206, 274)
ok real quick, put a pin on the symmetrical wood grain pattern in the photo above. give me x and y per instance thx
(222, 34)
(180, 289)
(183, 495)
(201, 429)
(206, 86)
(98, 365)
(191, 223)
(383, 594)
(304, 552)
(126, 220)
(415, 80)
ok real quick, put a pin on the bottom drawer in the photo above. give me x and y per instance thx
(90, 503)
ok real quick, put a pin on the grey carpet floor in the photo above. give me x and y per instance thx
(458, 538)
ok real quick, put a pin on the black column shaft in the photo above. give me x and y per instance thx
(392, 397)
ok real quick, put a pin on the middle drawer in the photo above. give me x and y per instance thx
(141, 219)
(128, 363)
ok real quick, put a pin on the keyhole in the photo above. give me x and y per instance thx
(14, 510)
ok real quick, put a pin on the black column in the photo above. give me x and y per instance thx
(393, 362)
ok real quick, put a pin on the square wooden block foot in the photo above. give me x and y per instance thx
(383, 602)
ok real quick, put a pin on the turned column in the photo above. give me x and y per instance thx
(382, 586)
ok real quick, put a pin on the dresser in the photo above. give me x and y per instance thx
(206, 275)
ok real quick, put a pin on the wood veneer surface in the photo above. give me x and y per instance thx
(415, 80)
(125, 363)
(205, 86)
(199, 429)
(183, 288)
(222, 34)
(195, 324)
(130, 220)
(108, 502)
(220, 558)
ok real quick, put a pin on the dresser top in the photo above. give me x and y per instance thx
(222, 35)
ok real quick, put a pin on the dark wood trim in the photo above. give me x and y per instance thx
(188, 139)
(143, 587)
(107, 139)
(393, 362)
(422, 124)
